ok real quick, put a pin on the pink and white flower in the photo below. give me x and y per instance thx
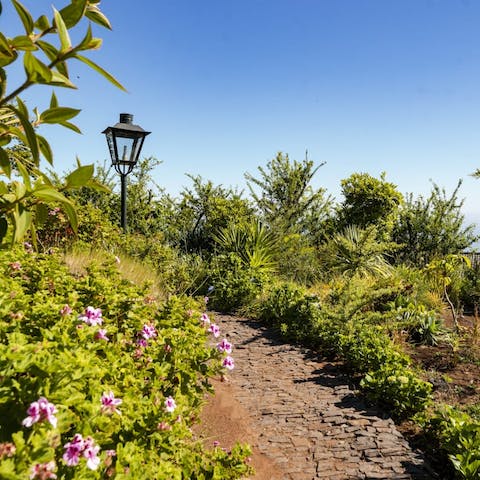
(102, 335)
(224, 346)
(148, 332)
(80, 447)
(91, 316)
(110, 403)
(170, 404)
(228, 363)
(205, 320)
(214, 330)
(40, 411)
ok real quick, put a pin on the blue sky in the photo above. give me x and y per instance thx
(364, 85)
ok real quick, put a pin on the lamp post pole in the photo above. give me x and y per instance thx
(127, 138)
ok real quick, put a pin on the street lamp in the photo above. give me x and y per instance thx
(125, 141)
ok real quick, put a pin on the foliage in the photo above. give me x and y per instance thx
(287, 201)
(134, 350)
(432, 227)
(24, 201)
(252, 242)
(355, 252)
(369, 201)
(203, 211)
(234, 284)
(457, 435)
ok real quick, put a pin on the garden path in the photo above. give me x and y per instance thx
(300, 415)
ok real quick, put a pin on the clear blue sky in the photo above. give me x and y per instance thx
(364, 85)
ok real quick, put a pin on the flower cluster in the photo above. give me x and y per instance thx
(43, 471)
(110, 403)
(91, 316)
(102, 335)
(39, 411)
(148, 332)
(80, 447)
(224, 346)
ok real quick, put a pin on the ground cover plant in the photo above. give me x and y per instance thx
(100, 380)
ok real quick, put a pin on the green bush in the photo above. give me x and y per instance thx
(153, 361)
(456, 434)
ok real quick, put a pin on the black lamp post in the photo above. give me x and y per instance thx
(125, 141)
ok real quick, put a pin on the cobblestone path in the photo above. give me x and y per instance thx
(308, 419)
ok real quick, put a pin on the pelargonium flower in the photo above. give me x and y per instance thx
(73, 450)
(205, 320)
(7, 449)
(81, 447)
(170, 404)
(15, 266)
(214, 330)
(91, 316)
(91, 454)
(224, 346)
(43, 471)
(102, 335)
(148, 332)
(228, 363)
(39, 411)
(142, 342)
(65, 310)
(110, 403)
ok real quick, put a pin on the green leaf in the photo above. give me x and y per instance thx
(24, 173)
(94, 14)
(41, 214)
(53, 101)
(101, 71)
(36, 70)
(50, 51)
(7, 54)
(28, 129)
(5, 164)
(62, 31)
(22, 219)
(62, 68)
(49, 194)
(25, 16)
(42, 23)
(23, 42)
(58, 114)
(71, 126)
(80, 176)
(69, 209)
(74, 12)
(61, 80)
(45, 149)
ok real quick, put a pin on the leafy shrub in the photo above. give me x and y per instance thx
(397, 388)
(92, 346)
(457, 435)
(234, 283)
(289, 308)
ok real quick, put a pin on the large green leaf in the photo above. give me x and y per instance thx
(60, 80)
(58, 114)
(22, 219)
(36, 70)
(71, 126)
(7, 54)
(49, 194)
(74, 12)
(45, 149)
(42, 23)
(62, 31)
(25, 16)
(69, 209)
(27, 128)
(80, 176)
(50, 51)
(23, 42)
(101, 71)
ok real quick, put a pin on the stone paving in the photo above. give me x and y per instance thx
(310, 422)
